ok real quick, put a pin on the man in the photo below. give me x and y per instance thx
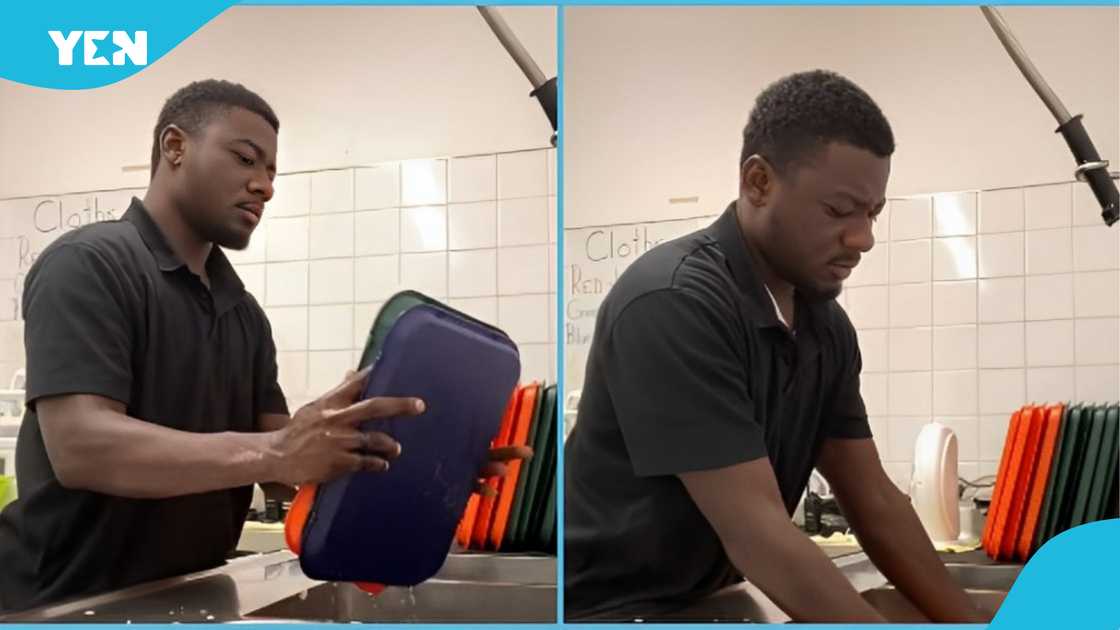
(152, 395)
(722, 372)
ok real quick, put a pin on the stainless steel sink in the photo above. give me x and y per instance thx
(469, 588)
(898, 609)
(998, 577)
(986, 585)
(434, 601)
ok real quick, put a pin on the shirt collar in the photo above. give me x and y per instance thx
(760, 304)
(225, 285)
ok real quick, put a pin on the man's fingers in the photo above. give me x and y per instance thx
(494, 469)
(484, 489)
(372, 442)
(366, 463)
(347, 391)
(508, 453)
(379, 408)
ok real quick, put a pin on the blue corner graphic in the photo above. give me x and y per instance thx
(82, 45)
(1069, 583)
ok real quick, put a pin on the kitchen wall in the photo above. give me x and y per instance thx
(334, 244)
(974, 303)
(411, 156)
(351, 85)
(656, 97)
(970, 305)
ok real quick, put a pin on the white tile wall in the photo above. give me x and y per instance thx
(954, 303)
(332, 236)
(423, 182)
(954, 347)
(472, 225)
(523, 174)
(1001, 299)
(1001, 211)
(426, 273)
(1000, 255)
(332, 191)
(424, 229)
(954, 214)
(910, 261)
(1048, 206)
(287, 239)
(291, 196)
(474, 272)
(974, 304)
(873, 267)
(1050, 343)
(377, 232)
(954, 258)
(331, 327)
(472, 179)
(1050, 296)
(1096, 294)
(910, 305)
(910, 349)
(377, 187)
(523, 221)
(376, 278)
(911, 218)
(1050, 251)
(523, 270)
(332, 281)
(954, 393)
(286, 284)
(289, 327)
(1095, 248)
(252, 276)
(474, 231)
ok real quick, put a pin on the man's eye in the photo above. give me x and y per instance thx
(244, 160)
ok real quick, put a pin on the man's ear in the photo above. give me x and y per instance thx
(757, 179)
(173, 144)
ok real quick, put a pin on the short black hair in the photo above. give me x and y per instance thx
(191, 108)
(798, 114)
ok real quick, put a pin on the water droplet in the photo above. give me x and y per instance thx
(90, 613)
(209, 617)
(203, 611)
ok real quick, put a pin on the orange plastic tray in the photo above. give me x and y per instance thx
(1023, 464)
(1001, 483)
(507, 485)
(1051, 422)
(480, 527)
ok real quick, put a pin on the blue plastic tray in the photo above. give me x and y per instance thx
(396, 527)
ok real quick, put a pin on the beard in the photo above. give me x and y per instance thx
(815, 292)
(221, 233)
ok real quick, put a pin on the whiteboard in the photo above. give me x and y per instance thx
(594, 258)
(28, 225)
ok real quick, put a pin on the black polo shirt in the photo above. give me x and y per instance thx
(111, 310)
(690, 369)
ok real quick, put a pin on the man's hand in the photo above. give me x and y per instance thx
(497, 467)
(323, 439)
(891, 533)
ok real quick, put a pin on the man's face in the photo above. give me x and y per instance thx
(818, 219)
(226, 177)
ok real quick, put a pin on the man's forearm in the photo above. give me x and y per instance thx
(799, 577)
(894, 539)
(132, 458)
